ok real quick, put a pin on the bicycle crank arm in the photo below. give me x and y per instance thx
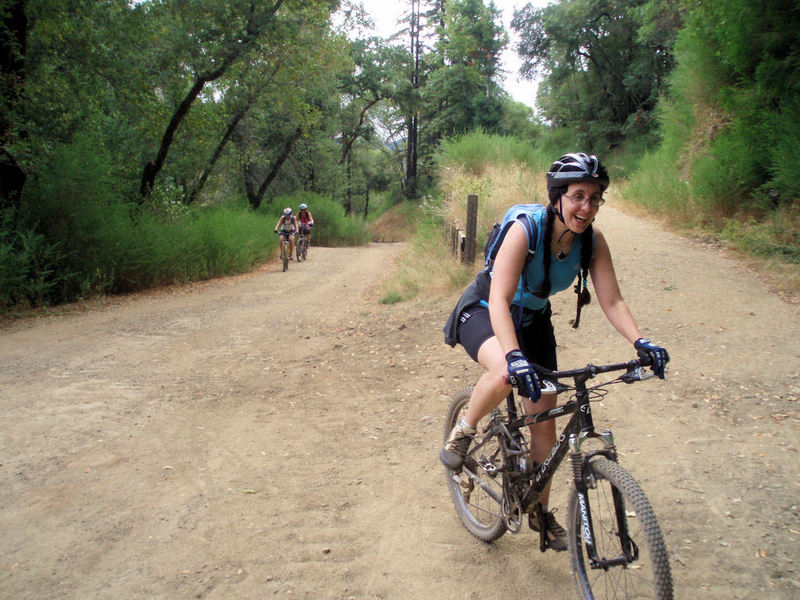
(491, 492)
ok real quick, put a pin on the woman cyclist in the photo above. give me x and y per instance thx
(505, 326)
(286, 225)
(306, 222)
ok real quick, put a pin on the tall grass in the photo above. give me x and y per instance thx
(474, 152)
(425, 265)
(501, 171)
(74, 237)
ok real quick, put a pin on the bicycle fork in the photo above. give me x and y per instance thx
(583, 480)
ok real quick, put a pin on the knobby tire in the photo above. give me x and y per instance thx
(479, 512)
(647, 577)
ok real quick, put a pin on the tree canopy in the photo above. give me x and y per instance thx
(162, 106)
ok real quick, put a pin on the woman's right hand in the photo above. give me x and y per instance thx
(522, 375)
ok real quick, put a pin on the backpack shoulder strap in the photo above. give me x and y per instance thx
(532, 230)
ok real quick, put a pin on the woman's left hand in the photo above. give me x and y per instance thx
(658, 355)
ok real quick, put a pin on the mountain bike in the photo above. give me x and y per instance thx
(285, 253)
(614, 541)
(301, 244)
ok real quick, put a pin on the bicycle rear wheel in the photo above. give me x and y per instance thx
(648, 575)
(478, 501)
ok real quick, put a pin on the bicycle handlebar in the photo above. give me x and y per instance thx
(634, 371)
(591, 370)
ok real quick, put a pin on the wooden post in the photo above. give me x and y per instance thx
(472, 229)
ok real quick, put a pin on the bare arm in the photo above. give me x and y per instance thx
(608, 293)
(505, 278)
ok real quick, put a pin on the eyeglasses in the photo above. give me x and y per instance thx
(579, 199)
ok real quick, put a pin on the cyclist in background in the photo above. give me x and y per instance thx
(287, 227)
(305, 222)
(503, 318)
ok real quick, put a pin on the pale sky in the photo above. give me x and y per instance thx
(386, 13)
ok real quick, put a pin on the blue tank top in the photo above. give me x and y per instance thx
(562, 272)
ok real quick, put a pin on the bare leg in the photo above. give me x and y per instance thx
(493, 386)
(543, 435)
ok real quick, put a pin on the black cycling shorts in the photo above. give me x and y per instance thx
(537, 339)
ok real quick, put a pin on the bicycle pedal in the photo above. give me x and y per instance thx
(537, 525)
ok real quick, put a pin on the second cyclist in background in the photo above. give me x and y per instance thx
(305, 222)
(287, 225)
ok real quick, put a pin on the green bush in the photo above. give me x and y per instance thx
(76, 237)
(30, 267)
(657, 185)
(475, 151)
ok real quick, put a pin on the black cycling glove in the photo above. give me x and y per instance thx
(521, 374)
(657, 354)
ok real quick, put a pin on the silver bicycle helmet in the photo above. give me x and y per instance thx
(574, 168)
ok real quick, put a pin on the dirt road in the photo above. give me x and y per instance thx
(276, 435)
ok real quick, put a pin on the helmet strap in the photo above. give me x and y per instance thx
(557, 210)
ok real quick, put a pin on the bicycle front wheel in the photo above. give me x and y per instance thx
(285, 255)
(648, 574)
(478, 500)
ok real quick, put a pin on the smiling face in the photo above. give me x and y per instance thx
(579, 215)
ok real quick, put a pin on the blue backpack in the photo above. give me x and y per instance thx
(521, 213)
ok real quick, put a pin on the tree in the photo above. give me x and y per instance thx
(415, 83)
(13, 47)
(464, 93)
(297, 107)
(604, 63)
(371, 81)
(250, 21)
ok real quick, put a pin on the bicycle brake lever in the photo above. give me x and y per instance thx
(637, 374)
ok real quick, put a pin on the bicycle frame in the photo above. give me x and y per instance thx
(579, 428)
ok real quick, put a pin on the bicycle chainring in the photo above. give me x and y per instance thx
(512, 513)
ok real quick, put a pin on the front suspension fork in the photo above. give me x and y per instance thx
(583, 480)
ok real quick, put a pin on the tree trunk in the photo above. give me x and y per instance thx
(255, 201)
(13, 47)
(217, 153)
(348, 194)
(153, 167)
(350, 139)
(411, 134)
(254, 30)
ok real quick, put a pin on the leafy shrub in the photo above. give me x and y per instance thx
(476, 151)
(30, 267)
